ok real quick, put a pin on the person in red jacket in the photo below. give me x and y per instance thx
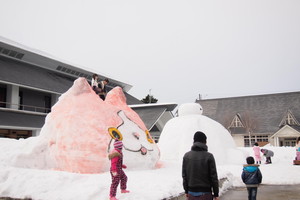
(116, 170)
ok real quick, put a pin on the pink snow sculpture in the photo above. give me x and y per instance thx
(81, 128)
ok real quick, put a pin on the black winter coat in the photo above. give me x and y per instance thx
(199, 171)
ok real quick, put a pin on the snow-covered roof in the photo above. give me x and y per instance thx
(264, 112)
(14, 50)
(169, 106)
(151, 113)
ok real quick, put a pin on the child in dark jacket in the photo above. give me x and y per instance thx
(252, 177)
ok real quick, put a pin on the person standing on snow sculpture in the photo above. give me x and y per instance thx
(102, 87)
(256, 150)
(95, 83)
(268, 154)
(252, 177)
(199, 171)
(116, 171)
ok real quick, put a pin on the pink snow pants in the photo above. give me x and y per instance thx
(257, 158)
(298, 155)
(121, 176)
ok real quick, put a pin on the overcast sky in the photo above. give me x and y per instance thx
(178, 49)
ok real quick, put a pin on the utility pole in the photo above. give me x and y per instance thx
(250, 138)
(150, 96)
(200, 97)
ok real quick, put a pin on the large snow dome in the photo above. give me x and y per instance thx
(177, 136)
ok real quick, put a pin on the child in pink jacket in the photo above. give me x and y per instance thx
(116, 171)
(256, 150)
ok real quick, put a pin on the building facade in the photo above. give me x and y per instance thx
(271, 118)
(31, 83)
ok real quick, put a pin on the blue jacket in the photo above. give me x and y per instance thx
(251, 175)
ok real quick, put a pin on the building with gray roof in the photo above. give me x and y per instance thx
(31, 82)
(270, 118)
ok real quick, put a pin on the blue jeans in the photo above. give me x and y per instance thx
(252, 191)
(199, 196)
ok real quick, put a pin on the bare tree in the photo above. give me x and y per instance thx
(250, 123)
(247, 122)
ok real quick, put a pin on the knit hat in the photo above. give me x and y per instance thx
(250, 160)
(199, 137)
(118, 144)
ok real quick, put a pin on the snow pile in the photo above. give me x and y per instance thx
(58, 185)
(282, 170)
(177, 136)
(144, 184)
(79, 132)
(156, 184)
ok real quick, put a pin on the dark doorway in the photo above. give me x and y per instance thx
(2, 96)
(47, 104)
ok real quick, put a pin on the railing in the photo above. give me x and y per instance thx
(24, 107)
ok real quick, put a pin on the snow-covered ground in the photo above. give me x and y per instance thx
(280, 172)
(25, 171)
(154, 184)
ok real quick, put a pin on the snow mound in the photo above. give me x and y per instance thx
(177, 137)
(80, 130)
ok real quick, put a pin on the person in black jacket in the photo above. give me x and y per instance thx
(252, 177)
(103, 89)
(199, 171)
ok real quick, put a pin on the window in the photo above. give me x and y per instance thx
(288, 142)
(11, 53)
(289, 119)
(73, 72)
(236, 122)
(19, 55)
(262, 138)
(5, 51)
(247, 141)
(255, 138)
